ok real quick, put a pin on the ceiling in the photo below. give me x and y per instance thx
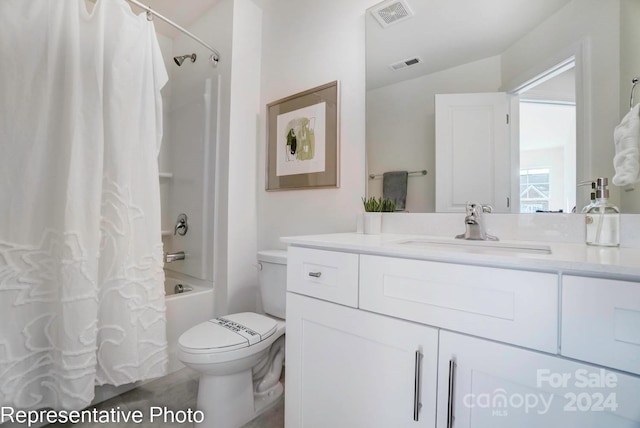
(183, 13)
(448, 33)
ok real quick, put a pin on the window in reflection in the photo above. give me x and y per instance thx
(534, 190)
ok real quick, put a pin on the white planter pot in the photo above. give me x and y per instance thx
(372, 223)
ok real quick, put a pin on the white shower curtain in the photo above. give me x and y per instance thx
(81, 279)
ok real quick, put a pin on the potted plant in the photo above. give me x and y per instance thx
(374, 207)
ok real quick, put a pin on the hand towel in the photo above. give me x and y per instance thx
(627, 144)
(394, 187)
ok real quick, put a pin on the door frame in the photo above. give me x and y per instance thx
(579, 54)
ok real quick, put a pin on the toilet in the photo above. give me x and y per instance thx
(240, 356)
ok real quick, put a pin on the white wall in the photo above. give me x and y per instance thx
(401, 125)
(241, 204)
(306, 43)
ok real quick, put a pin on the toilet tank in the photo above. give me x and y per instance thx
(272, 279)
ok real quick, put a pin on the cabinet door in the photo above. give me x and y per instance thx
(350, 368)
(472, 151)
(484, 384)
(601, 321)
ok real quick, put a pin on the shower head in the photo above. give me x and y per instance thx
(180, 59)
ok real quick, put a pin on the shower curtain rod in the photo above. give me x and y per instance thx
(216, 55)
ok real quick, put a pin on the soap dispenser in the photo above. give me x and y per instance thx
(603, 218)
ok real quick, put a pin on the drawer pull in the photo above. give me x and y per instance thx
(416, 387)
(315, 274)
(450, 398)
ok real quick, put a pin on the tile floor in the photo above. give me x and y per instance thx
(177, 391)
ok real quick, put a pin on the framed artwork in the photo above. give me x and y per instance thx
(302, 140)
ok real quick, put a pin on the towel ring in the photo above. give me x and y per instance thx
(634, 82)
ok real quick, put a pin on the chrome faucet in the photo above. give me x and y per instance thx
(172, 257)
(475, 224)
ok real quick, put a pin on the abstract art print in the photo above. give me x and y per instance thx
(302, 143)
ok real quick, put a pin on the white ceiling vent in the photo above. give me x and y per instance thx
(391, 12)
(406, 63)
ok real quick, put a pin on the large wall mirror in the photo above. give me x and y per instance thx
(563, 68)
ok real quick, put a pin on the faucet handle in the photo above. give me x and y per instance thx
(487, 208)
(181, 226)
(470, 208)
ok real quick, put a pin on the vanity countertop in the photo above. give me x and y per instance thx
(567, 258)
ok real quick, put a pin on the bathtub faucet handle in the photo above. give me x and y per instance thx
(181, 226)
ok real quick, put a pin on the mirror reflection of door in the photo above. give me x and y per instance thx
(547, 143)
(472, 150)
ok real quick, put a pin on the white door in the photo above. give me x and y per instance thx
(350, 368)
(484, 384)
(473, 155)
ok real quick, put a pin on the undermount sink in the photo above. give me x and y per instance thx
(477, 246)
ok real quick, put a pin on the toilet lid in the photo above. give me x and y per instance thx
(228, 333)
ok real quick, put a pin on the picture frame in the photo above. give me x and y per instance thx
(303, 147)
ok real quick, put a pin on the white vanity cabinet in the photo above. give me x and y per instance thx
(483, 384)
(455, 345)
(511, 306)
(350, 368)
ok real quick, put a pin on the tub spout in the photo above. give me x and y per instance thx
(172, 257)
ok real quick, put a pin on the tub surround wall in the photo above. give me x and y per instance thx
(233, 27)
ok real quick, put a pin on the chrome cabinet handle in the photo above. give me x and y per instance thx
(315, 274)
(417, 405)
(452, 382)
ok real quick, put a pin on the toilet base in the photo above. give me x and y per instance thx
(268, 399)
(230, 402)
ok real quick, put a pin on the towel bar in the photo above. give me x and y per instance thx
(421, 172)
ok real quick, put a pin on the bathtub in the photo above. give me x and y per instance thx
(184, 310)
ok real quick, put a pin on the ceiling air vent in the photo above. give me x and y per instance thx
(406, 63)
(391, 12)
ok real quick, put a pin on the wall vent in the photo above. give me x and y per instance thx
(391, 12)
(406, 63)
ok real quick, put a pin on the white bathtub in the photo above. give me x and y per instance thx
(184, 310)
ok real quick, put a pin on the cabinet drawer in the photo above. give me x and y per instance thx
(601, 321)
(507, 305)
(327, 275)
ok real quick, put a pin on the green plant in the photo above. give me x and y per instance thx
(372, 205)
(378, 205)
(388, 206)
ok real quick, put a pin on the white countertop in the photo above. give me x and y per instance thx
(568, 258)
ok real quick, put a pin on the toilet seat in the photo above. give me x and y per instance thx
(227, 333)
